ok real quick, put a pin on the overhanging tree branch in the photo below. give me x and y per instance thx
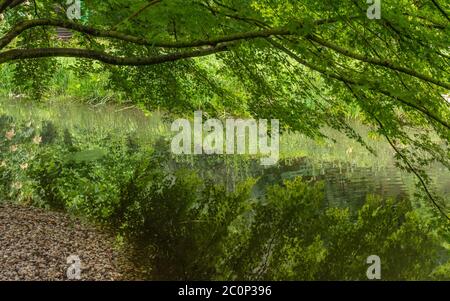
(372, 86)
(21, 54)
(406, 161)
(383, 63)
(5, 4)
(25, 25)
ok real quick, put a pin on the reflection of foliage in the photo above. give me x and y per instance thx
(49, 132)
(68, 140)
(132, 143)
(181, 222)
(190, 229)
(185, 226)
(301, 239)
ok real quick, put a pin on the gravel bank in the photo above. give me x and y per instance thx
(35, 245)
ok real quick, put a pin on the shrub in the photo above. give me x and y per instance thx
(187, 228)
(16, 153)
(80, 178)
(179, 221)
(297, 238)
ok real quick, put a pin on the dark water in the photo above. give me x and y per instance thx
(351, 173)
(347, 184)
(348, 179)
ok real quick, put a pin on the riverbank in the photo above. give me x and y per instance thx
(35, 245)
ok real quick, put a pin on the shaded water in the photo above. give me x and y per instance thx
(347, 184)
(349, 171)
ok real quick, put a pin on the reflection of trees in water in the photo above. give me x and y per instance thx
(347, 183)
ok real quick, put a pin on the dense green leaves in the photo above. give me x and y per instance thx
(187, 229)
(311, 64)
(180, 220)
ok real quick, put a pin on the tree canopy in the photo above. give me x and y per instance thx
(307, 63)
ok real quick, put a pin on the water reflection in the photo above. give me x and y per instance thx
(349, 185)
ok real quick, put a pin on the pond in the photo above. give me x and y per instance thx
(349, 171)
(347, 184)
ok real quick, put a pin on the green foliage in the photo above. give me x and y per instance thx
(185, 224)
(329, 62)
(179, 221)
(407, 243)
(282, 241)
(17, 149)
(34, 77)
(85, 182)
(49, 132)
(81, 171)
(295, 237)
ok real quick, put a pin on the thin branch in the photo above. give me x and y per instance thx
(16, 3)
(5, 4)
(10, 4)
(431, 23)
(383, 63)
(405, 159)
(137, 13)
(438, 6)
(414, 171)
(372, 86)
